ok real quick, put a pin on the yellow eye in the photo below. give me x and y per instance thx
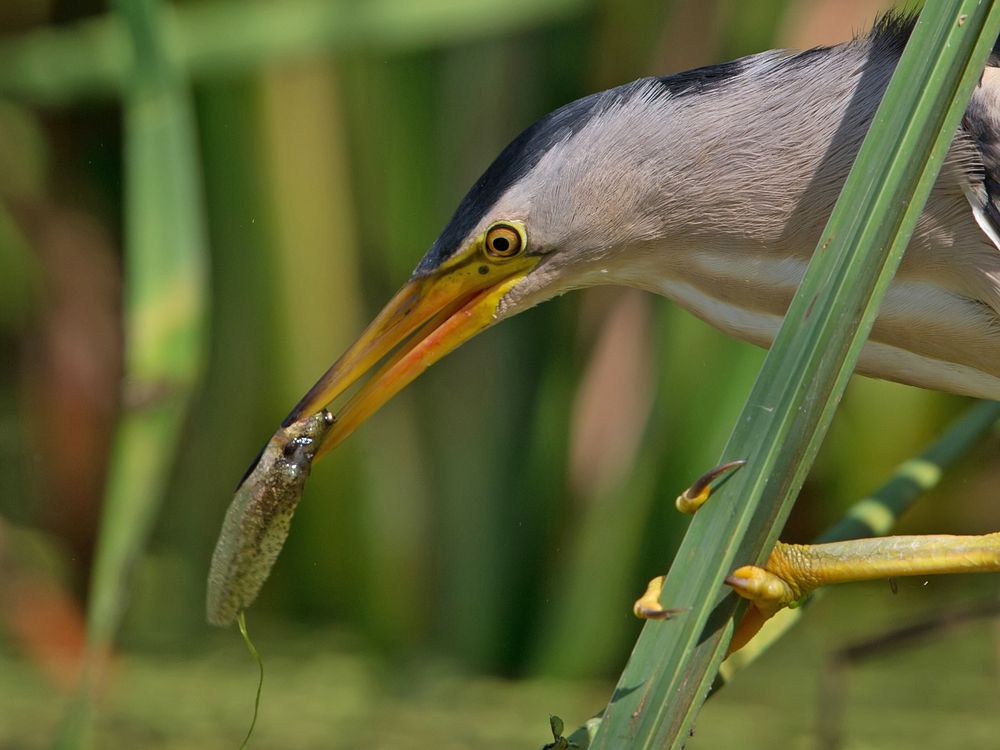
(503, 241)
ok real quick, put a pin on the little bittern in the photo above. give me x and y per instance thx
(711, 187)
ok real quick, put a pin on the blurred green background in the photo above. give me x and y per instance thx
(466, 563)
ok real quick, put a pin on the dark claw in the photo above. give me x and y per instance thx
(710, 476)
(658, 614)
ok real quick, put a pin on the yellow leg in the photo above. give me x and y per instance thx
(793, 570)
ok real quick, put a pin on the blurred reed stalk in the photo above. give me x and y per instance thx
(165, 310)
(95, 57)
(804, 375)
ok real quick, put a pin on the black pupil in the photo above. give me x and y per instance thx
(501, 244)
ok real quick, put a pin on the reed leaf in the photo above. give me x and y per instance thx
(804, 375)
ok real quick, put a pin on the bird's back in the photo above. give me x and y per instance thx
(790, 125)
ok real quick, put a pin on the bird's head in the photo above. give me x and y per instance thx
(549, 214)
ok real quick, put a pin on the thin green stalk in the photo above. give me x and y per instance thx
(165, 329)
(241, 621)
(94, 57)
(792, 403)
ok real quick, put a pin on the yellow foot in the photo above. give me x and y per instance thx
(648, 606)
(793, 570)
(768, 592)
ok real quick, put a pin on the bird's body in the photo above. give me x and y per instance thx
(712, 188)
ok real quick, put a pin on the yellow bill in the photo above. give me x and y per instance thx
(431, 315)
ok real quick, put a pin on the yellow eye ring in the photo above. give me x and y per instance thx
(503, 240)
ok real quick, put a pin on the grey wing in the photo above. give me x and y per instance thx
(982, 124)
